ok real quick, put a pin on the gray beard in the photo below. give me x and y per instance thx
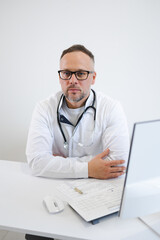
(78, 99)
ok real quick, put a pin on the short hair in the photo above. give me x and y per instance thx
(78, 48)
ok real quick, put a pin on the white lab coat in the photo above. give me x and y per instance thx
(88, 139)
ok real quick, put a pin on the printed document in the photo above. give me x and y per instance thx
(93, 198)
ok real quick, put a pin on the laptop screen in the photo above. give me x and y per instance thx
(141, 193)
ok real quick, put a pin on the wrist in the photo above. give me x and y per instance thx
(89, 170)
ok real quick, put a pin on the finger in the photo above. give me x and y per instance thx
(117, 169)
(115, 162)
(115, 175)
(104, 153)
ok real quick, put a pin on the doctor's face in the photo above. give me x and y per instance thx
(76, 91)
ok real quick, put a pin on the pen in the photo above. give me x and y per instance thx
(78, 190)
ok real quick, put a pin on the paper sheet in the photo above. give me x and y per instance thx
(93, 198)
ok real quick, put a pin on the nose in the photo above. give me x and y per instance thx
(73, 79)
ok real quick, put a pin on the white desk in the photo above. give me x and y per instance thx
(21, 210)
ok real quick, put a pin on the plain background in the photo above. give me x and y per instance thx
(123, 35)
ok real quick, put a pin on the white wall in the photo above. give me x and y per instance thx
(123, 35)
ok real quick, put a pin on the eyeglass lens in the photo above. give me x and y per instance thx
(80, 75)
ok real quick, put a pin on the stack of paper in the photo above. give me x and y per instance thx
(93, 198)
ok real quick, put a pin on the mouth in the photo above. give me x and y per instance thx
(74, 90)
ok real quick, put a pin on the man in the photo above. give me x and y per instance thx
(78, 133)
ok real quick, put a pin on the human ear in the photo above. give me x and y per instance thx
(94, 78)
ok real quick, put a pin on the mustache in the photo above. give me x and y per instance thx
(73, 86)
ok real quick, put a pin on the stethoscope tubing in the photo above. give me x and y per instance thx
(79, 119)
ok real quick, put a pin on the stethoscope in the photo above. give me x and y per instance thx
(79, 119)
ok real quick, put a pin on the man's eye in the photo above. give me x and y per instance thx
(81, 74)
(67, 73)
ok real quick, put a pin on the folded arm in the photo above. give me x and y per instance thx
(40, 156)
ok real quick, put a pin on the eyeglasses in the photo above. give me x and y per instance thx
(80, 75)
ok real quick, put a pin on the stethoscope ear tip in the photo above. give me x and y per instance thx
(65, 145)
(80, 144)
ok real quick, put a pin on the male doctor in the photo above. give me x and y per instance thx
(77, 132)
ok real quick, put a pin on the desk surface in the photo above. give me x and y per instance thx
(22, 210)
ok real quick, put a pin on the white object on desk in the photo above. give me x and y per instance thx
(153, 221)
(93, 198)
(53, 204)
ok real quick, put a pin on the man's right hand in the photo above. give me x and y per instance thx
(103, 169)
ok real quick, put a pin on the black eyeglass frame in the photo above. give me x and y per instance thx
(75, 73)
